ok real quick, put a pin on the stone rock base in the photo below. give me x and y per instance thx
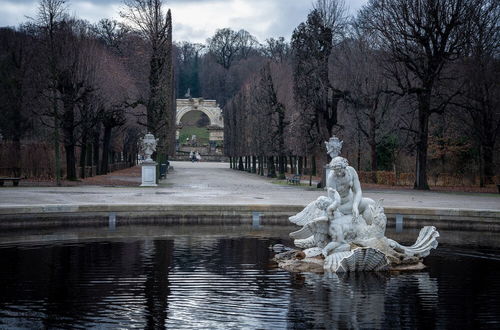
(296, 261)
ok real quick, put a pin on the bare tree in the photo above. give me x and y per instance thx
(50, 14)
(16, 88)
(273, 111)
(150, 20)
(420, 37)
(76, 79)
(312, 44)
(224, 46)
(357, 68)
(247, 44)
(479, 99)
(334, 15)
(228, 45)
(112, 33)
(277, 49)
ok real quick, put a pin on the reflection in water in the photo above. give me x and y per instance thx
(212, 281)
(360, 300)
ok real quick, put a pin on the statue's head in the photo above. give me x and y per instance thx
(333, 146)
(339, 165)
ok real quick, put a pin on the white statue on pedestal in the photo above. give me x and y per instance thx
(148, 146)
(348, 231)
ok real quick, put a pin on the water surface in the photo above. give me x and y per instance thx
(223, 277)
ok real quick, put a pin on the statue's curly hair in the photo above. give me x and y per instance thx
(339, 161)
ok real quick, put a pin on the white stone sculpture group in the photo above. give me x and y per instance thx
(345, 232)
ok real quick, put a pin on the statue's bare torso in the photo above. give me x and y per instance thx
(344, 185)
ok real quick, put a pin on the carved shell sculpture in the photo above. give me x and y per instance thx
(357, 260)
(426, 241)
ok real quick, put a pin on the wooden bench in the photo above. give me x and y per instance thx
(294, 179)
(15, 181)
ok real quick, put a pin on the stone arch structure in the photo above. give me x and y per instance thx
(208, 107)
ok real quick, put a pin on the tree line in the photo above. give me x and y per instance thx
(400, 80)
(90, 90)
(411, 86)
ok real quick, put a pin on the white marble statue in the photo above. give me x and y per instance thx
(346, 232)
(148, 146)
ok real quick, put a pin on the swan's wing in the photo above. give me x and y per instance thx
(308, 214)
(314, 227)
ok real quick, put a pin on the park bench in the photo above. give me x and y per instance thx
(294, 179)
(15, 181)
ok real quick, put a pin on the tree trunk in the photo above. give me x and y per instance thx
(95, 153)
(300, 165)
(241, 167)
(422, 142)
(83, 157)
(271, 168)
(18, 156)
(281, 167)
(70, 162)
(69, 137)
(105, 150)
(358, 158)
(488, 163)
(373, 147)
(161, 158)
(373, 157)
(254, 164)
(57, 148)
(313, 166)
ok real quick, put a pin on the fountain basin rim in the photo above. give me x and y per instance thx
(33, 215)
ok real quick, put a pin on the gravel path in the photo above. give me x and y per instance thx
(216, 183)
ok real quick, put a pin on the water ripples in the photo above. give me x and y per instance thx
(221, 282)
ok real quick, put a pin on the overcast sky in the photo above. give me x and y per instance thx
(194, 20)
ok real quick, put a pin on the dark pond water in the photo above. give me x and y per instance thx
(223, 277)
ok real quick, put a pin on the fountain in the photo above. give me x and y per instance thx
(345, 232)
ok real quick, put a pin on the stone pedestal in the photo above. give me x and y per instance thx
(149, 174)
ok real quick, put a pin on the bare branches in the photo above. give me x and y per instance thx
(334, 15)
(149, 19)
(228, 45)
(50, 12)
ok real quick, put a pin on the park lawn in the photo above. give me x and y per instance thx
(188, 131)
